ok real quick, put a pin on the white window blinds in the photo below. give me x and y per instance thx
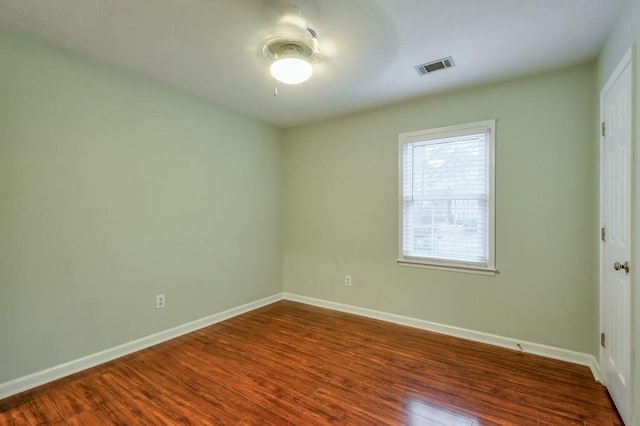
(446, 195)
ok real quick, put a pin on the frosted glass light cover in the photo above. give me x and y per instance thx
(291, 70)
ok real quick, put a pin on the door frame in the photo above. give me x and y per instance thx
(627, 60)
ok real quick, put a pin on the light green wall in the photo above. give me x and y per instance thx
(113, 190)
(626, 35)
(340, 212)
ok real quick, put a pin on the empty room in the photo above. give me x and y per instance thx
(319, 212)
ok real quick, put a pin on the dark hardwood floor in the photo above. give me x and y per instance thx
(295, 364)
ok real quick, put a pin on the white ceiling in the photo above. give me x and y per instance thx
(212, 48)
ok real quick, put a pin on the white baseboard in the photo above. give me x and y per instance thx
(39, 378)
(22, 384)
(595, 369)
(476, 336)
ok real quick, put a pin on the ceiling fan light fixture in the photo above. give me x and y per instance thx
(291, 70)
(291, 58)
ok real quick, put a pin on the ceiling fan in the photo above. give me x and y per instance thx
(292, 45)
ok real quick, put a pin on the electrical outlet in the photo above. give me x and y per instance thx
(347, 280)
(160, 301)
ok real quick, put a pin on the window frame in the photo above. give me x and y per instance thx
(488, 126)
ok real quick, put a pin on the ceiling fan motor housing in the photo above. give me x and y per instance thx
(278, 47)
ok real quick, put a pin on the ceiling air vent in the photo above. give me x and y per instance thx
(440, 64)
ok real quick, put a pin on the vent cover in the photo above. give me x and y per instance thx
(434, 66)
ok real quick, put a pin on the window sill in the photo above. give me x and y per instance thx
(477, 270)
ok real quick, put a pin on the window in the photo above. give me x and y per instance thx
(447, 198)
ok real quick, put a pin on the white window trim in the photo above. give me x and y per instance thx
(441, 133)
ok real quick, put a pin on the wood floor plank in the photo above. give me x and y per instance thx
(293, 364)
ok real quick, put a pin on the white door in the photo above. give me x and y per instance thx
(616, 204)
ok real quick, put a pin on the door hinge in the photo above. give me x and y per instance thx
(603, 340)
(603, 234)
(604, 132)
